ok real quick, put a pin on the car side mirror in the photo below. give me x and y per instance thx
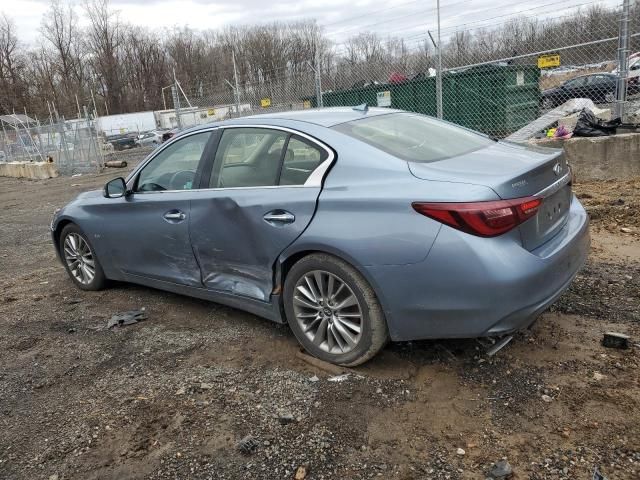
(115, 188)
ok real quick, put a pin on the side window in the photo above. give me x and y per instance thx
(300, 159)
(576, 82)
(174, 168)
(248, 157)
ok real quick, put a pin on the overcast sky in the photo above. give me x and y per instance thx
(341, 18)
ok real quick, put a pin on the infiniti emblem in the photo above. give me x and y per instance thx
(557, 169)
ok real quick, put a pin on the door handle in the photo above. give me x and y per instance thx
(279, 217)
(175, 216)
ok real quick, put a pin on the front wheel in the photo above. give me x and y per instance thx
(333, 311)
(80, 260)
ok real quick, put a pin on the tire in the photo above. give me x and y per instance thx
(73, 242)
(339, 342)
(610, 97)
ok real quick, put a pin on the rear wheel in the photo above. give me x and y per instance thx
(333, 311)
(80, 260)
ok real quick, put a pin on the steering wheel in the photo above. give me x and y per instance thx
(187, 176)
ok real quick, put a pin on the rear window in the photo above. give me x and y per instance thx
(415, 138)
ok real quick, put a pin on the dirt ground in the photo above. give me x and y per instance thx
(170, 397)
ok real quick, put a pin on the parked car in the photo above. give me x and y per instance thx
(634, 70)
(150, 138)
(353, 226)
(122, 142)
(599, 87)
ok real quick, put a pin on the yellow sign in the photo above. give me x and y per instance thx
(548, 61)
(265, 102)
(306, 104)
(211, 112)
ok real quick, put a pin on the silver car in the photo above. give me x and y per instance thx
(354, 226)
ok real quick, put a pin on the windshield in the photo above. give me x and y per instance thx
(413, 137)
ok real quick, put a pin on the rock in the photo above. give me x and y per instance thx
(286, 419)
(53, 477)
(205, 386)
(301, 473)
(598, 376)
(547, 398)
(500, 470)
(460, 451)
(314, 379)
(181, 391)
(339, 378)
(626, 230)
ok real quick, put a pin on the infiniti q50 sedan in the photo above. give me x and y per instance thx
(354, 226)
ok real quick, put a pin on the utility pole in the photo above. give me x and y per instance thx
(623, 59)
(439, 72)
(235, 78)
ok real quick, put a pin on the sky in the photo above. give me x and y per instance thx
(409, 19)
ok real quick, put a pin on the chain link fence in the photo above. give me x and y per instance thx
(496, 78)
(72, 146)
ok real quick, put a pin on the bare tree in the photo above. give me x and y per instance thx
(104, 37)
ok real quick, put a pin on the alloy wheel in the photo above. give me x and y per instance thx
(79, 258)
(328, 312)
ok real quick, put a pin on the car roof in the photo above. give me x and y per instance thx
(326, 117)
(606, 74)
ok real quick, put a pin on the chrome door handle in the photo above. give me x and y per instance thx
(279, 217)
(175, 215)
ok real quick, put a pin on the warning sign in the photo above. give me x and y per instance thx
(384, 98)
(549, 61)
(265, 102)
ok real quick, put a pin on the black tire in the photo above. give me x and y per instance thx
(374, 333)
(99, 281)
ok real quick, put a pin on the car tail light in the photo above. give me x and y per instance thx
(484, 219)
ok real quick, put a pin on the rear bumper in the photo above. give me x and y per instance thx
(472, 287)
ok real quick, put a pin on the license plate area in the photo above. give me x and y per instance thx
(553, 211)
(552, 216)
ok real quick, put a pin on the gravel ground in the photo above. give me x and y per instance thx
(172, 396)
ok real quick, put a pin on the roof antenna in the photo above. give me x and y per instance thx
(364, 108)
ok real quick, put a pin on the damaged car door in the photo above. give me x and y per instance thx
(149, 226)
(259, 196)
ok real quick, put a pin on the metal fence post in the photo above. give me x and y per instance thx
(318, 73)
(623, 59)
(235, 79)
(176, 100)
(439, 72)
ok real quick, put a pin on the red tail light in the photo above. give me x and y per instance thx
(485, 219)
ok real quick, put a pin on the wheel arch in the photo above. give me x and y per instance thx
(58, 231)
(291, 256)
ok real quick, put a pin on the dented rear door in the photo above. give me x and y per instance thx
(238, 232)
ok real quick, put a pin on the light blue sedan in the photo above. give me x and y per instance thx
(355, 226)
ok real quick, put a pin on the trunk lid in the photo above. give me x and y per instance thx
(513, 171)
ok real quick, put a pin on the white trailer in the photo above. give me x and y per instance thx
(126, 123)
